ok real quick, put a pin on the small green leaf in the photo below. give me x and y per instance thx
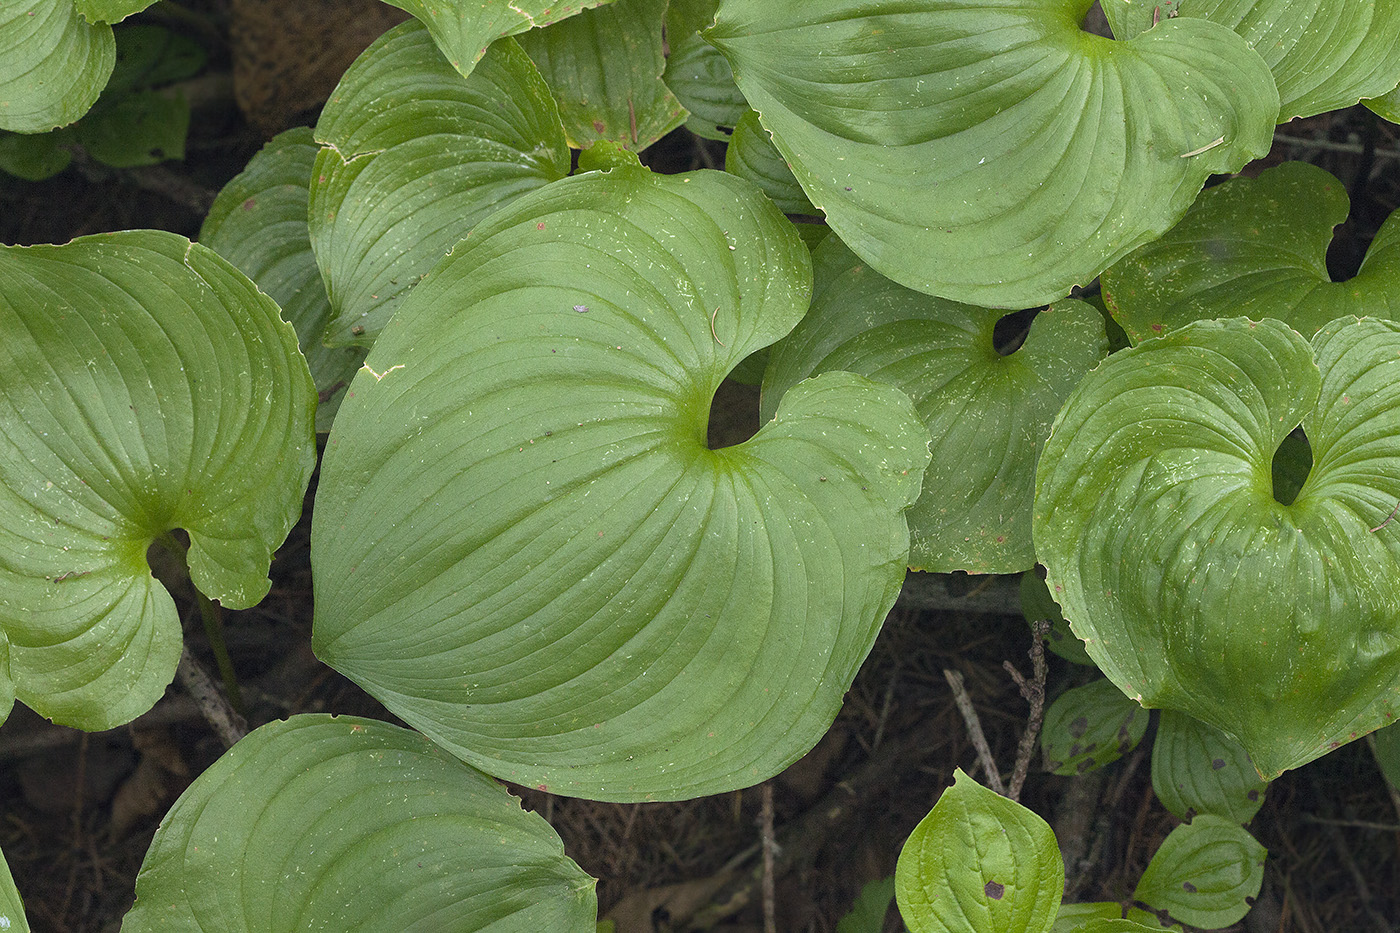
(752, 155)
(604, 67)
(464, 29)
(1037, 604)
(979, 863)
(258, 223)
(698, 74)
(1206, 873)
(1090, 726)
(145, 385)
(413, 155)
(535, 559)
(871, 905)
(1258, 248)
(347, 824)
(1325, 54)
(975, 512)
(141, 128)
(1196, 769)
(1386, 106)
(992, 152)
(53, 64)
(149, 56)
(12, 919)
(1192, 587)
(35, 157)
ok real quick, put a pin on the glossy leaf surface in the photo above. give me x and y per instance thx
(522, 545)
(1206, 873)
(979, 863)
(53, 64)
(413, 155)
(349, 824)
(604, 67)
(1090, 726)
(464, 29)
(1196, 768)
(992, 152)
(1258, 248)
(258, 223)
(1191, 586)
(145, 385)
(975, 513)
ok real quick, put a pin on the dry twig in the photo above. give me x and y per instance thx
(974, 730)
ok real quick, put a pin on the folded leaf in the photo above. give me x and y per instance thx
(145, 385)
(521, 543)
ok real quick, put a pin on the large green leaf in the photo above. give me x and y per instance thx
(1325, 54)
(1193, 588)
(521, 543)
(145, 385)
(1196, 768)
(990, 151)
(413, 155)
(345, 824)
(975, 512)
(1206, 873)
(604, 67)
(12, 917)
(1258, 248)
(53, 64)
(979, 863)
(698, 74)
(1090, 726)
(463, 29)
(258, 223)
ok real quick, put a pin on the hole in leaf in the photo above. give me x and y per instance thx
(733, 415)
(1010, 331)
(1292, 463)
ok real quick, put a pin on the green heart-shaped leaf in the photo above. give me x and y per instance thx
(53, 64)
(604, 67)
(145, 385)
(1090, 726)
(975, 513)
(258, 223)
(698, 74)
(1258, 248)
(752, 155)
(413, 155)
(464, 29)
(1206, 873)
(989, 151)
(979, 863)
(1192, 587)
(522, 545)
(349, 824)
(1325, 54)
(1196, 768)
(12, 917)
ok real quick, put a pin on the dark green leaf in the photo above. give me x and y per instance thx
(992, 152)
(698, 74)
(1206, 873)
(141, 128)
(35, 157)
(1037, 604)
(1196, 768)
(145, 385)
(149, 56)
(752, 155)
(868, 912)
(534, 558)
(979, 863)
(1090, 726)
(355, 826)
(604, 67)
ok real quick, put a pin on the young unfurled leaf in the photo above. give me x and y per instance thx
(1196, 768)
(992, 152)
(1206, 873)
(979, 863)
(975, 511)
(413, 155)
(145, 385)
(341, 823)
(1255, 247)
(1192, 587)
(1090, 726)
(521, 543)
